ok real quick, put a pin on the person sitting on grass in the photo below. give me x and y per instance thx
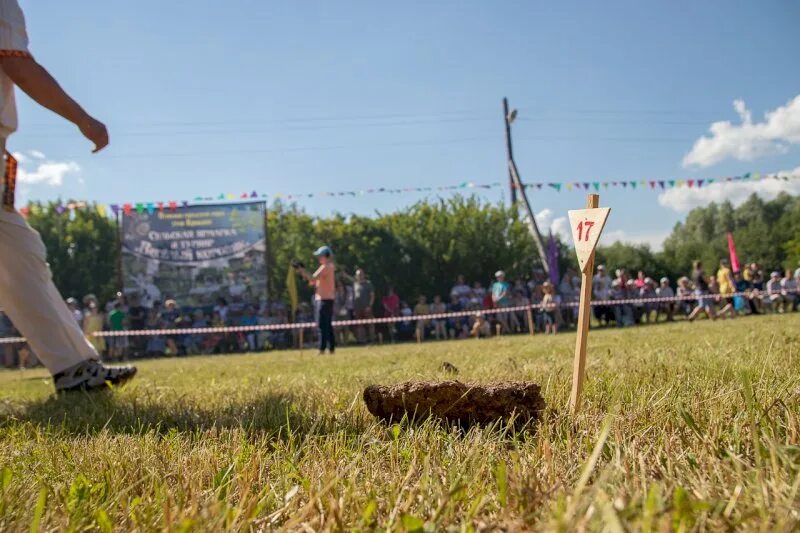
(439, 324)
(602, 292)
(421, 309)
(666, 307)
(632, 293)
(648, 292)
(789, 291)
(774, 293)
(685, 295)
(481, 327)
(405, 329)
(458, 326)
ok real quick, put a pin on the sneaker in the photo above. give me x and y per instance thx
(92, 375)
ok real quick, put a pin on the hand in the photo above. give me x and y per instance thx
(96, 132)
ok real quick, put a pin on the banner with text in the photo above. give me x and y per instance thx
(196, 255)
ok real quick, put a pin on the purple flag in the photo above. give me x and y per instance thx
(552, 260)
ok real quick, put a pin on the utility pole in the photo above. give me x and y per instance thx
(518, 188)
(510, 151)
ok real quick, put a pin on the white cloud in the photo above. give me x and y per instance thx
(748, 140)
(684, 199)
(45, 172)
(548, 222)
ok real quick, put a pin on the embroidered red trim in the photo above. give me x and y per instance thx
(10, 176)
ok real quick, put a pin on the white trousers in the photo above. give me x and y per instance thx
(29, 297)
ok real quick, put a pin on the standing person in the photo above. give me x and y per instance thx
(461, 290)
(727, 286)
(117, 344)
(550, 304)
(75, 309)
(27, 292)
(701, 289)
(501, 297)
(363, 302)
(324, 282)
(602, 276)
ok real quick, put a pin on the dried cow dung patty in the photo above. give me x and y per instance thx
(455, 401)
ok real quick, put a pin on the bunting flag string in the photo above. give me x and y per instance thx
(128, 208)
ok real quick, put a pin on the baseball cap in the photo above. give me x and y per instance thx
(499, 273)
(323, 250)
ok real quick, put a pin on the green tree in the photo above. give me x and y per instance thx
(81, 247)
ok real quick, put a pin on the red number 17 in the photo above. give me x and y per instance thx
(584, 224)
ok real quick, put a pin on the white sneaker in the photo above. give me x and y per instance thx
(92, 375)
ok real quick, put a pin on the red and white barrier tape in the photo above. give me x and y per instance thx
(394, 319)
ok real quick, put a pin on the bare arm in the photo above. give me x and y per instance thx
(37, 83)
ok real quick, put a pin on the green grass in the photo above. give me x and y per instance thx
(685, 426)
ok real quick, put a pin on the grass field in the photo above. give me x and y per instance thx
(685, 426)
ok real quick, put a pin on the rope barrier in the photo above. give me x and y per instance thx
(394, 319)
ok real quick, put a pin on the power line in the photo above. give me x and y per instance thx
(221, 151)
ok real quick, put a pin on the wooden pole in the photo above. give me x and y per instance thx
(531, 324)
(302, 343)
(510, 151)
(120, 279)
(584, 314)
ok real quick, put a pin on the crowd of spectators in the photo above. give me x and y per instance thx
(621, 300)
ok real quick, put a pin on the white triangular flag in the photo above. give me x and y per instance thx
(586, 225)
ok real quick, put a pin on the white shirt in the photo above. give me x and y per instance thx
(13, 36)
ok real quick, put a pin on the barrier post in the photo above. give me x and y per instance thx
(302, 344)
(586, 225)
(531, 324)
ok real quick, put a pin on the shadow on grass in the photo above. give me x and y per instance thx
(276, 416)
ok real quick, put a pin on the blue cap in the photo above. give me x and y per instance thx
(323, 250)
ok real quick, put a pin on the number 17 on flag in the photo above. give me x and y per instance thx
(587, 225)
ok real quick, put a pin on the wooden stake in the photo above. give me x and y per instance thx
(584, 314)
(531, 324)
(497, 329)
(301, 341)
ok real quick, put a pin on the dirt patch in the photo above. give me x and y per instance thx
(455, 401)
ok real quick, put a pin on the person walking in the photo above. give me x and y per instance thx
(324, 282)
(705, 303)
(727, 287)
(27, 292)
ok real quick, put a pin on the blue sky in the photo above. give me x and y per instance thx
(205, 97)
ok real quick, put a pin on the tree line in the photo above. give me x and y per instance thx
(422, 248)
